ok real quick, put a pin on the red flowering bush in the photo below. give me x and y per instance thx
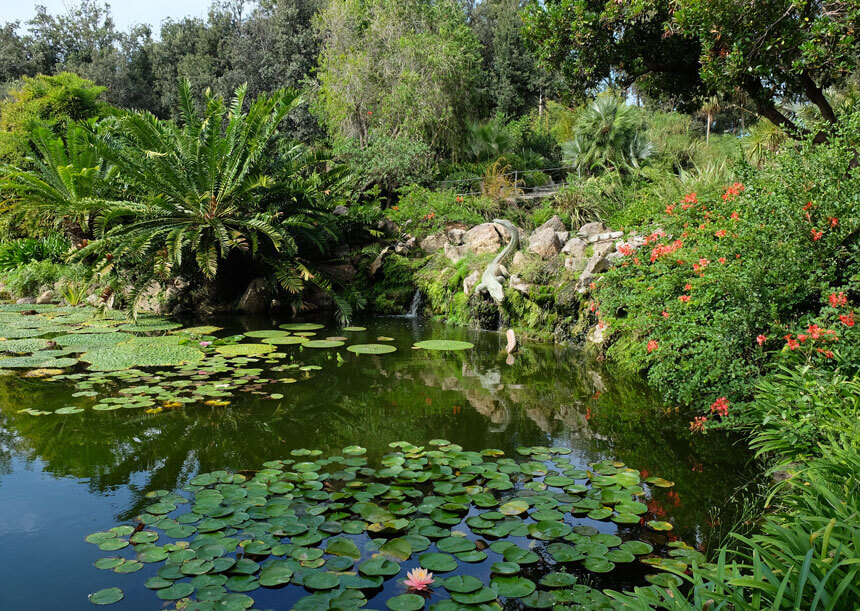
(728, 283)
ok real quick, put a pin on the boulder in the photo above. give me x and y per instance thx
(555, 223)
(603, 248)
(257, 297)
(596, 265)
(377, 262)
(596, 335)
(46, 296)
(340, 211)
(518, 284)
(454, 253)
(545, 243)
(606, 235)
(25, 300)
(590, 229)
(563, 236)
(432, 243)
(455, 236)
(471, 281)
(575, 264)
(483, 238)
(575, 247)
(342, 272)
(518, 261)
(387, 226)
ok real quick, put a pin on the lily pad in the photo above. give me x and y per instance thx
(436, 562)
(371, 349)
(405, 602)
(512, 587)
(108, 596)
(322, 343)
(244, 349)
(301, 326)
(444, 344)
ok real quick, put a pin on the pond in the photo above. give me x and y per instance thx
(64, 476)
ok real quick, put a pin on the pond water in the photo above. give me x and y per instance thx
(65, 476)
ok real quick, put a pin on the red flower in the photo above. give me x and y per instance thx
(721, 233)
(652, 345)
(698, 425)
(814, 331)
(735, 216)
(816, 235)
(761, 339)
(722, 259)
(720, 406)
(684, 298)
(669, 208)
(664, 314)
(626, 250)
(688, 287)
(792, 344)
(833, 221)
(808, 206)
(848, 321)
(690, 198)
(837, 300)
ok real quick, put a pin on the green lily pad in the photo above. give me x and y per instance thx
(463, 584)
(302, 326)
(266, 333)
(513, 508)
(321, 581)
(659, 525)
(436, 562)
(180, 589)
(244, 349)
(399, 548)
(512, 587)
(379, 567)
(558, 580)
(343, 547)
(371, 349)
(405, 602)
(443, 344)
(598, 564)
(659, 482)
(322, 343)
(484, 595)
(108, 596)
(285, 341)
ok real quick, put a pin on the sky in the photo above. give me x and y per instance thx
(125, 12)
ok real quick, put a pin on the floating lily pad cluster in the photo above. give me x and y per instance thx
(192, 365)
(490, 529)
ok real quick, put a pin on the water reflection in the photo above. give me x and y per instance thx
(546, 396)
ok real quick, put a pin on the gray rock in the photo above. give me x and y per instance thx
(518, 261)
(454, 253)
(545, 243)
(432, 243)
(518, 284)
(575, 264)
(590, 229)
(563, 236)
(342, 272)
(484, 238)
(257, 297)
(387, 226)
(603, 248)
(377, 262)
(340, 211)
(555, 223)
(596, 335)
(401, 248)
(471, 281)
(45, 297)
(27, 300)
(455, 236)
(596, 265)
(575, 247)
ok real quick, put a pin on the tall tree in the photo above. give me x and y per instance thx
(775, 51)
(397, 68)
(512, 79)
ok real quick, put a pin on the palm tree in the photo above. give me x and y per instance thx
(711, 106)
(68, 185)
(609, 136)
(488, 140)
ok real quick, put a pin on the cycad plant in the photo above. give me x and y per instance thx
(68, 185)
(206, 187)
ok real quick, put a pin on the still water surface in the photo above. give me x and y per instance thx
(62, 477)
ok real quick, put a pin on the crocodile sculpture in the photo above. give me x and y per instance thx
(491, 279)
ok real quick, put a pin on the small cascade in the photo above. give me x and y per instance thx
(415, 306)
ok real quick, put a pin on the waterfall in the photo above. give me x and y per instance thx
(417, 300)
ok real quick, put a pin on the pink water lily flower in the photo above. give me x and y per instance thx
(419, 579)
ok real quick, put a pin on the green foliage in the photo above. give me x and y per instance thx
(386, 162)
(422, 211)
(53, 101)
(68, 184)
(398, 68)
(25, 250)
(609, 136)
(28, 279)
(726, 269)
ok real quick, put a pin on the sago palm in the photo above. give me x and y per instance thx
(196, 188)
(68, 185)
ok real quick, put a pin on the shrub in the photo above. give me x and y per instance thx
(22, 251)
(28, 279)
(422, 211)
(718, 272)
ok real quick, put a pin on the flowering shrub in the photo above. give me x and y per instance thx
(726, 284)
